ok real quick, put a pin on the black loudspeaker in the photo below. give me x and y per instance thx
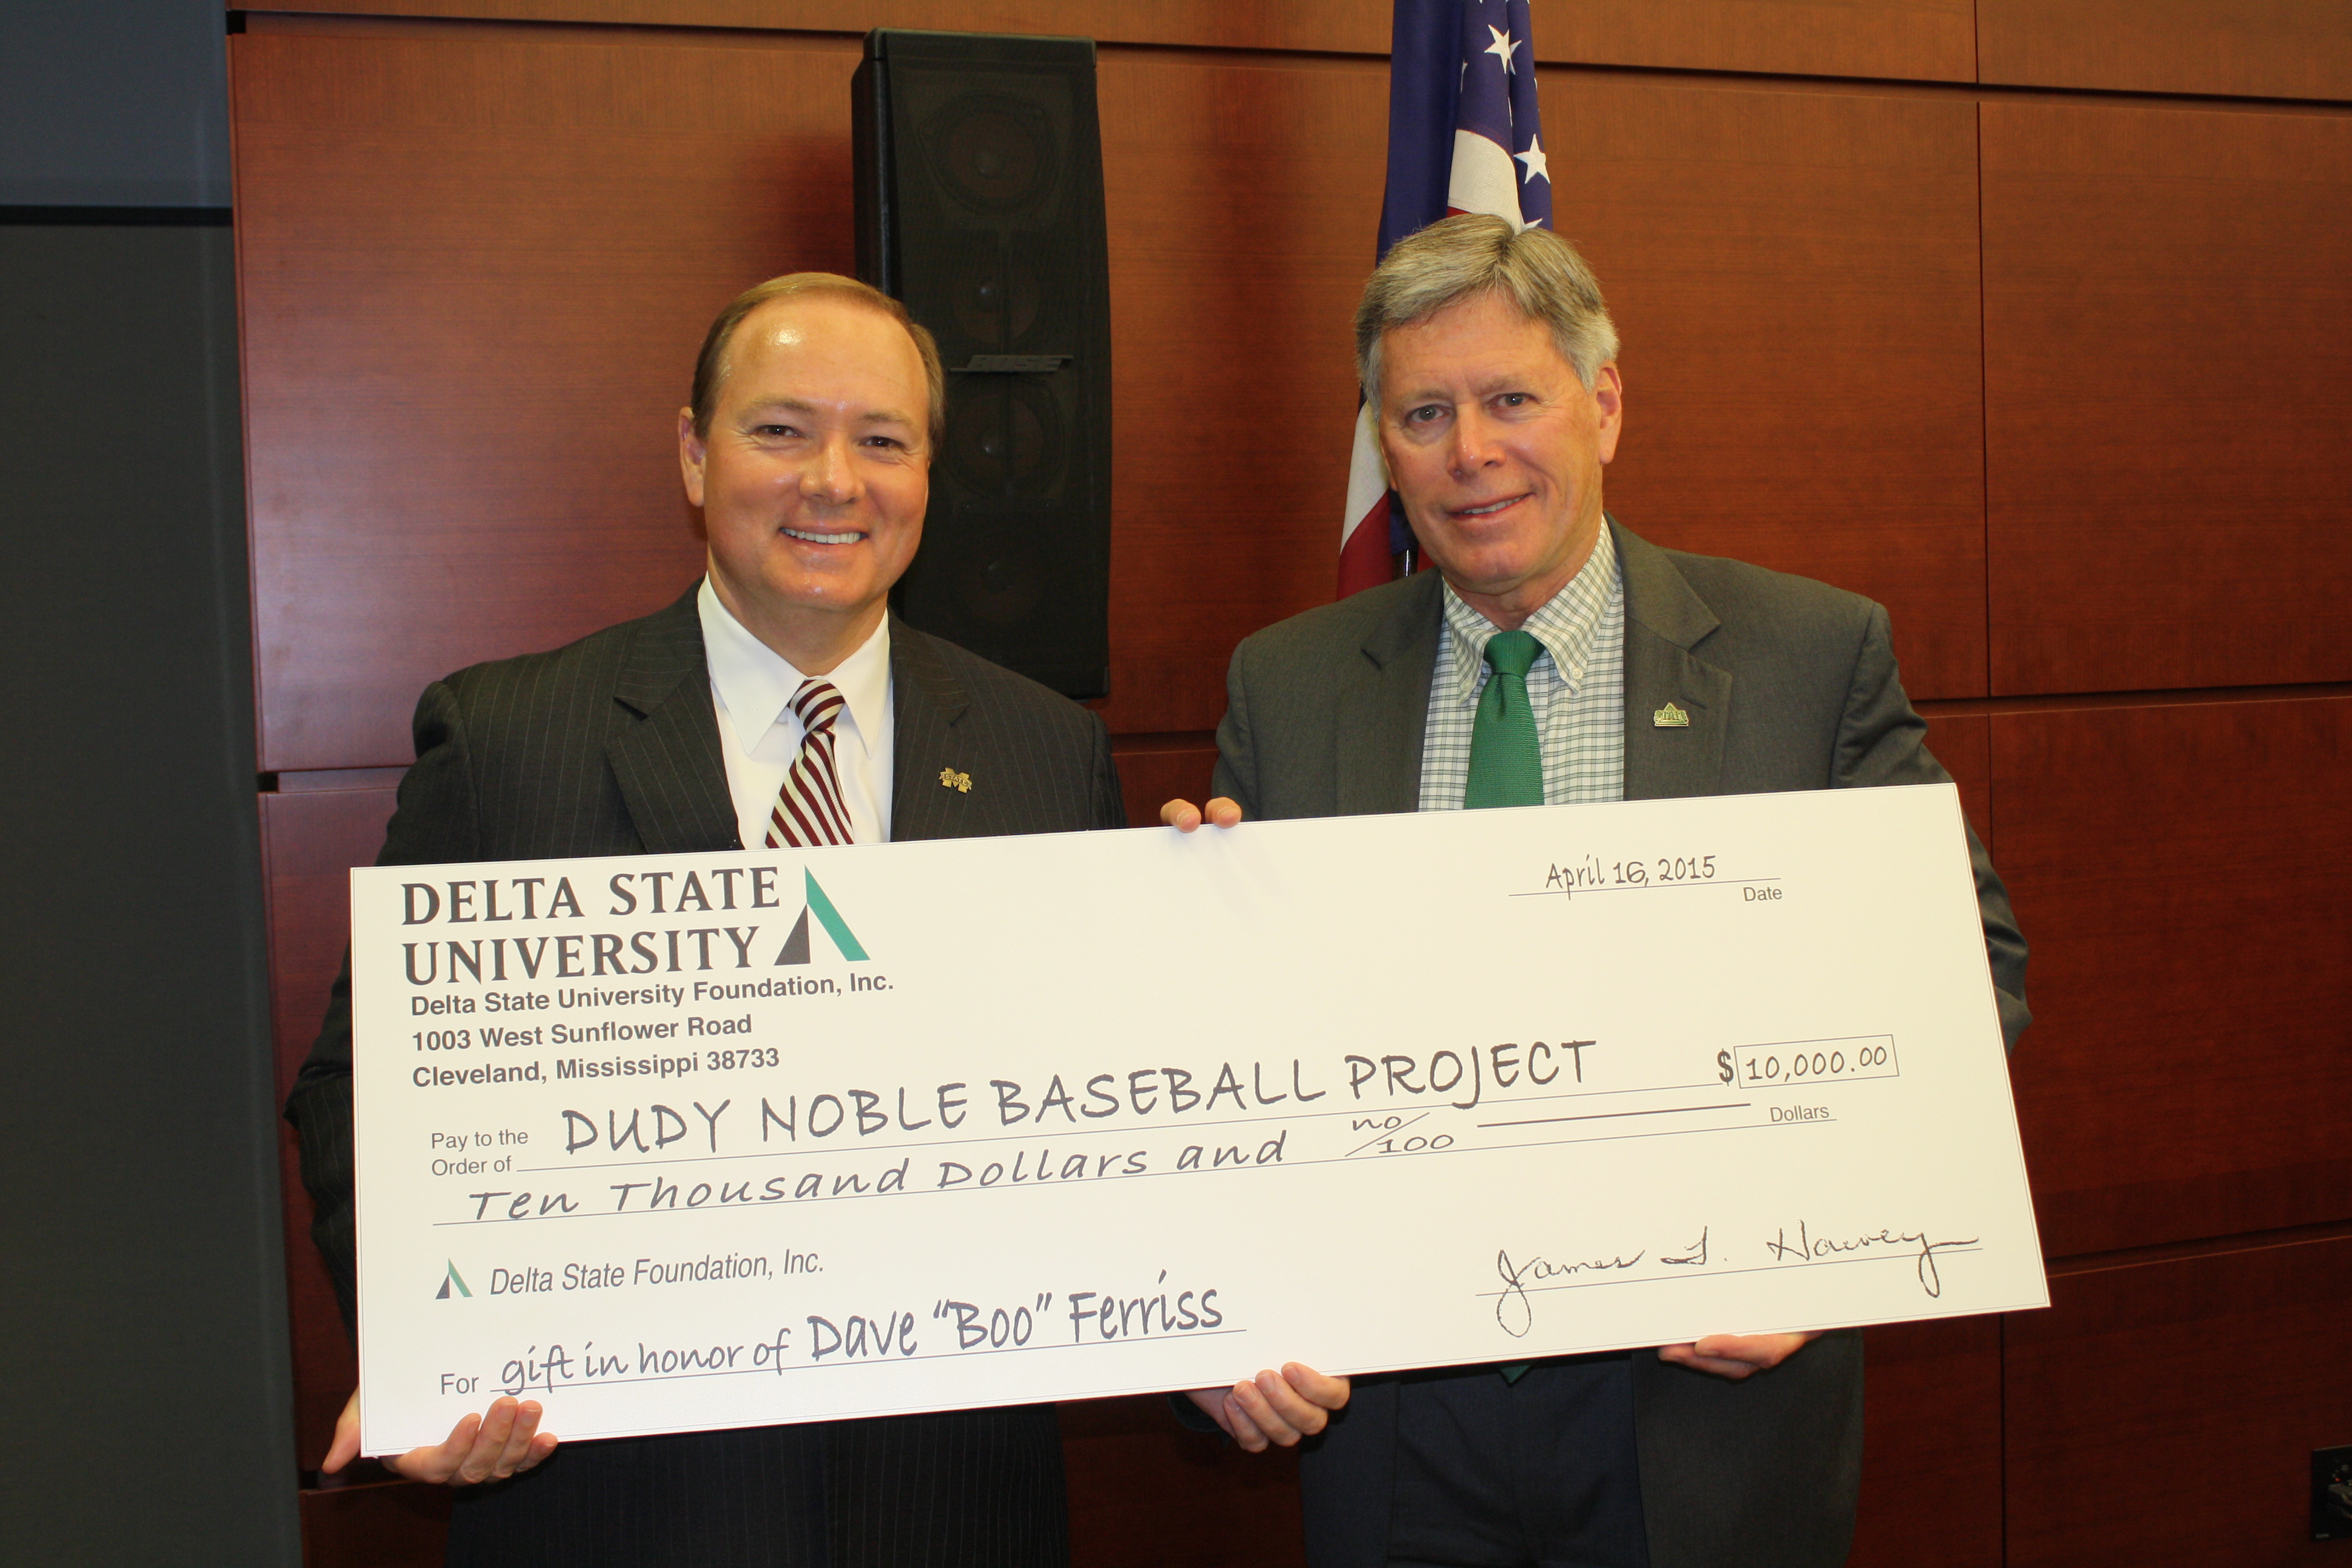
(979, 176)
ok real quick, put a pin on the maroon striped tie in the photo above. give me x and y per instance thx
(809, 810)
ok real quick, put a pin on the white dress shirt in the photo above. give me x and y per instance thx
(751, 689)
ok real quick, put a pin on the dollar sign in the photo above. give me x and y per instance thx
(1723, 1065)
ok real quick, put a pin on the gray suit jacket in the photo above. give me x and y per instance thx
(1790, 684)
(610, 746)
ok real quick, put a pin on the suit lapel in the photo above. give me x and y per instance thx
(672, 775)
(1664, 620)
(926, 702)
(1384, 711)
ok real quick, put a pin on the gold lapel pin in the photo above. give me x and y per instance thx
(951, 779)
(1670, 718)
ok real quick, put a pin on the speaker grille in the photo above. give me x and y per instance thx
(991, 152)
(979, 206)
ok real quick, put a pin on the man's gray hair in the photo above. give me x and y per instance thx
(1470, 254)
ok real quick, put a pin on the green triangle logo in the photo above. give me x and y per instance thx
(453, 1278)
(796, 946)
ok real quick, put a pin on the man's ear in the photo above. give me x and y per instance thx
(1609, 395)
(690, 452)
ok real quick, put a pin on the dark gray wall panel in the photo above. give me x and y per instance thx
(142, 1336)
(113, 103)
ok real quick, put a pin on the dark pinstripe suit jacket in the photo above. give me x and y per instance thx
(1789, 684)
(611, 747)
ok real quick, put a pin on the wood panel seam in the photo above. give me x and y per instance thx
(2176, 696)
(365, 24)
(2201, 1248)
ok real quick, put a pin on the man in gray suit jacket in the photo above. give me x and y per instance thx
(1620, 671)
(778, 702)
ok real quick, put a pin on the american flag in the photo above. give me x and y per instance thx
(1465, 136)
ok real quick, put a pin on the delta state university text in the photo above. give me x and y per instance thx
(521, 956)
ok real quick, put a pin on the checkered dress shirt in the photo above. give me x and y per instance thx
(1577, 689)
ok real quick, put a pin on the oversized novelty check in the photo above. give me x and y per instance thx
(714, 1140)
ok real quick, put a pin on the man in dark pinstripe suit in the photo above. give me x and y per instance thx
(817, 404)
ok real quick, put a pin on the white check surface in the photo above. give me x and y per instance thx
(992, 1120)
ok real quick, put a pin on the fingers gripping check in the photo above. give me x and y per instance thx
(1736, 1357)
(1274, 1409)
(1185, 817)
(503, 1441)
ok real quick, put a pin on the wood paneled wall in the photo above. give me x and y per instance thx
(2029, 322)
(2166, 365)
(2163, 1410)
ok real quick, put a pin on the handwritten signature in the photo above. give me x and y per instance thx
(1806, 1248)
(1514, 1313)
(1514, 1310)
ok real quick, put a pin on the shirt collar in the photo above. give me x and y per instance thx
(1566, 625)
(756, 684)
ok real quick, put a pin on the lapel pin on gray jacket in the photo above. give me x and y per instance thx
(951, 779)
(1670, 718)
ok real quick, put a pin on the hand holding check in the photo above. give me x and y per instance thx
(503, 1441)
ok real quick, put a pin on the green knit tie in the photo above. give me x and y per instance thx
(1506, 763)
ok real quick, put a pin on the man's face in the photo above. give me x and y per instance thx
(814, 473)
(1495, 447)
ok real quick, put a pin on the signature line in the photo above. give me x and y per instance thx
(1612, 1115)
(1647, 886)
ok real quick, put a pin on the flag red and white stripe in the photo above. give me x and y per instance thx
(1465, 136)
